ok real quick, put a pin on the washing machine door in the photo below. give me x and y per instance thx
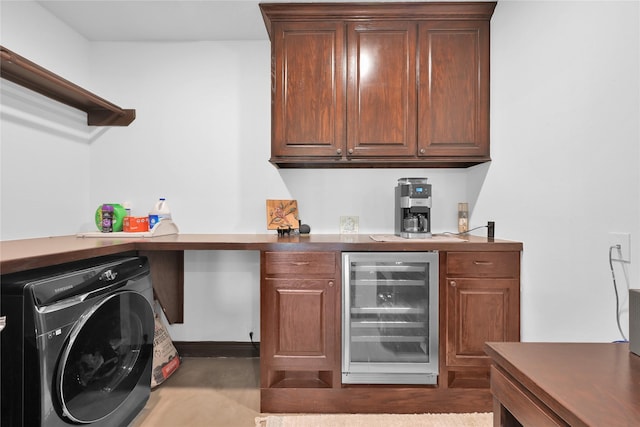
(109, 350)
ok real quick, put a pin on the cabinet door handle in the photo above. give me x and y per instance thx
(422, 151)
(350, 150)
(482, 262)
(300, 263)
(339, 151)
(330, 283)
(453, 283)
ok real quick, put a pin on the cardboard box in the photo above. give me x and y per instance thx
(135, 224)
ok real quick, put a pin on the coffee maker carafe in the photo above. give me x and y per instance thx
(413, 208)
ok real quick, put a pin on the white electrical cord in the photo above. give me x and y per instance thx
(615, 288)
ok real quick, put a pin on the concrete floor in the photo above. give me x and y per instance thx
(211, 392)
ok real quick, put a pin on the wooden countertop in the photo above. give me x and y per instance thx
(20, 255)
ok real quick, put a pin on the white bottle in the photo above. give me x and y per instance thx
(159, 212)
(162, 209)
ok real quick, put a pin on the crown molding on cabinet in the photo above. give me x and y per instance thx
(363, 11)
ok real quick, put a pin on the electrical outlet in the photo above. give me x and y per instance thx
(624, 240)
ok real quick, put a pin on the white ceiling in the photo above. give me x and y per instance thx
(164, 20)
(161, 20)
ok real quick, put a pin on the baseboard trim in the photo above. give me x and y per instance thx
(217, 349)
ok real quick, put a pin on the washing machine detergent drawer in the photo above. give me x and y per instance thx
(80, 344)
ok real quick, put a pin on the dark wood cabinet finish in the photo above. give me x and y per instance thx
(167, 269)
(480, 310)
(381, 94)
(453, 112)
(379, 84)
(299, 325)
(479, 301)
(482, 297)
(307, 89)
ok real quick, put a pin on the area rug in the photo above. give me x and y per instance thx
(377, 420)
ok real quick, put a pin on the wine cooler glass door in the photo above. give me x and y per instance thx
(390, 323)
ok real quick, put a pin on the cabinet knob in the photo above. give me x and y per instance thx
(350, 150)
(453, 283)
(331, 283)
(422, 151)
(339, 151)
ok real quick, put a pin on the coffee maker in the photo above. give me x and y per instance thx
(413, 208)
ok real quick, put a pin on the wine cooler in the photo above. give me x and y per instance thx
(390, 318)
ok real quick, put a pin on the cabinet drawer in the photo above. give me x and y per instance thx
(300, 263)
(483, 264)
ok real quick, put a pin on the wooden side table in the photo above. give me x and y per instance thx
(560, 384)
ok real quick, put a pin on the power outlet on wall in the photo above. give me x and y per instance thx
(623, 240)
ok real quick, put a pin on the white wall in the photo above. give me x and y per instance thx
(565, 134)
(565, 146)
(44, 154)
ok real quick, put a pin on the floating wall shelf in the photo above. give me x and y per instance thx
(100, 112)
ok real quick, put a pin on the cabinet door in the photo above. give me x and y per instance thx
(299, 324)
(480, 310)
(453, 93)
(308, 89)
(381, 89)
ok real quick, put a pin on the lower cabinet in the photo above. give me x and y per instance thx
(300, 306)
(300, 328)
(482, 298)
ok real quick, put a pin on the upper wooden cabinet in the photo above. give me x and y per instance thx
(379, 84)
(308, 81)
(381, 96)
(453, 90)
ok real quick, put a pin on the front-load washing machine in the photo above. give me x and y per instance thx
(77, 348)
